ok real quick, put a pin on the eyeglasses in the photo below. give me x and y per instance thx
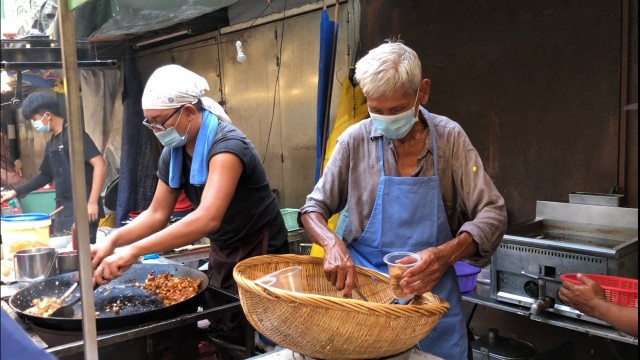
(160, 126)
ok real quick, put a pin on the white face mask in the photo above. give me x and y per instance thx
(396, 126)
(171, 138)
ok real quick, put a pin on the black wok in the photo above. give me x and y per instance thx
(136, 305)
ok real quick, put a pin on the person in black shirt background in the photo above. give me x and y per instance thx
(43, 110)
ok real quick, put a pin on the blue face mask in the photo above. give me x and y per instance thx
(39, 126)
(396, 126)
(171, 138)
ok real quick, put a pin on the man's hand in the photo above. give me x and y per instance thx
(92, 211)
(100, 252)
(583, 297)
(339, 269)
(6, 196)
(423, 276)
(114, 266)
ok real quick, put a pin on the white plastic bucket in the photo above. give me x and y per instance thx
(24, 231)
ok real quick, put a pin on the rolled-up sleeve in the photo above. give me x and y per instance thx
(482, 203)
(329, 196)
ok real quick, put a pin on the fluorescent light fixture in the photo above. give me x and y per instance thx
(164, 37)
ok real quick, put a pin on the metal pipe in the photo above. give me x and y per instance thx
(78, 187)
(624, 95)
(16, 102)
(36, 65)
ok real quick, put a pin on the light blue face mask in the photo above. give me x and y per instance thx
(39, 126)
(396, 126)
(171, 138)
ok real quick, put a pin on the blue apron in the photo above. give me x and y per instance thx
(408, 215)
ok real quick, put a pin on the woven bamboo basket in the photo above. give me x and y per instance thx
(320, 323)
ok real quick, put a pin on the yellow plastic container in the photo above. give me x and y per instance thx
(109, 220)
(317, 251)
(24, 231)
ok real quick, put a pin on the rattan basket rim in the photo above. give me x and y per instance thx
(427, 304)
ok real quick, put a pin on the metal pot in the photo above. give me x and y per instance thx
(34, 264)
(137, 305)
(496, 347)
(66, 261)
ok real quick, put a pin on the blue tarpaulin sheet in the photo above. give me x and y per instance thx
(328, 37)
(131, 128)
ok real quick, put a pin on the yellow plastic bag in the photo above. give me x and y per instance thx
(351, 109)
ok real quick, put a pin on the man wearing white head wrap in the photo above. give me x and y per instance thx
(220, 172)
(172, 86)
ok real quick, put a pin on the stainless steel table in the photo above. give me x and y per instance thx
(481, 295)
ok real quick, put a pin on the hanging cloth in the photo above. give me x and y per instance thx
(351, 110)
(326, 64)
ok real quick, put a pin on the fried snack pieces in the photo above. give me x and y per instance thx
(171, 289)
(44, 306)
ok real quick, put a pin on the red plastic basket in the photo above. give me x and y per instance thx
(622, 291)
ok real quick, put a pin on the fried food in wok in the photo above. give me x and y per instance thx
(171, 289)
(44, 306)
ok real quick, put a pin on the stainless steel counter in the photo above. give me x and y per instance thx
(481, 295)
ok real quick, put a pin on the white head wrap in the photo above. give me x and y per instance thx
(172, 86)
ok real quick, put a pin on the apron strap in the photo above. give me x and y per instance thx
(381, 160)
(432, 130)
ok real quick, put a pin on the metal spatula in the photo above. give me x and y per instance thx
(67, 311)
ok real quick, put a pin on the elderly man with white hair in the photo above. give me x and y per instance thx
(221, 174)
(409, 179)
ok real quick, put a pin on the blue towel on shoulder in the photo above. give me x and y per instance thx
(200, 163)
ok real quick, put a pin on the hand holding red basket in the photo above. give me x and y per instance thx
(611, 299)
(622, 291)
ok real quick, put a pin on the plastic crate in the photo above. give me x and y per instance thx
(39, 201)
(290, 217)
(618, 290)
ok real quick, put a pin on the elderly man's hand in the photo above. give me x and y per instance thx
(339, 269)
(584, 296)
(423, 276)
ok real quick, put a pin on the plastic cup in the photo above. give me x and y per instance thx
(285, 279)
(396, 271)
